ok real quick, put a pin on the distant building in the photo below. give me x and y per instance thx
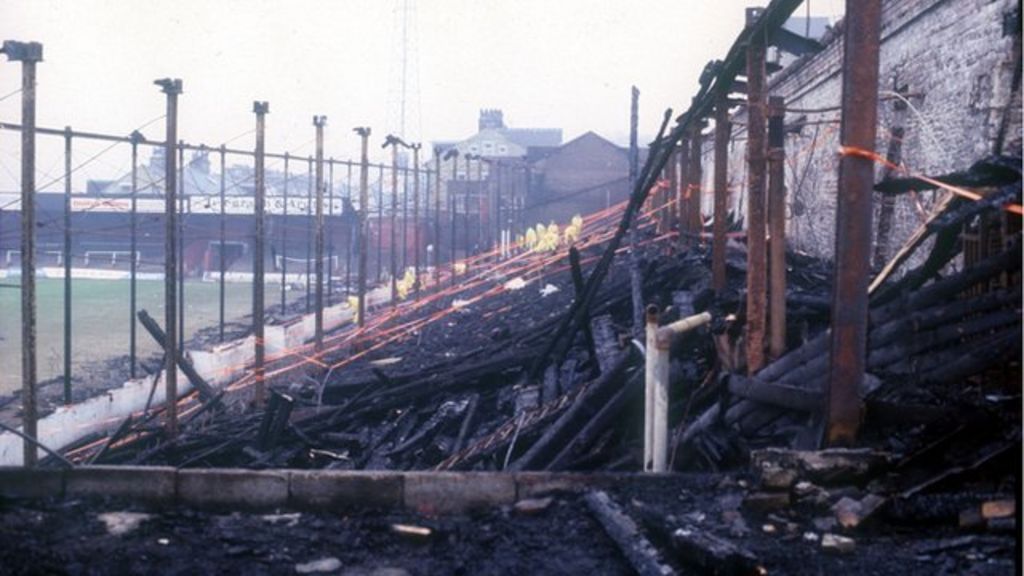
(586, 174)
(496, 140)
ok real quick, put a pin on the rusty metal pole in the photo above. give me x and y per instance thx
(258, 281)
(380, 221)
(756, 164)
(722, 135)
(348, 227)
(437, 216)
(466, 247)
(777, 226)
(133, 270)
(329, 232)
(393, 233)
(28, 53)
(284, 236)
(172, 88)
(181, 244)
(310, 233)
(853, 220)
(405, 219)
(416, 215)
(364, 202)
(454, 155)
(696, 175)
(223, 224)
(318, 320)
(67, 265)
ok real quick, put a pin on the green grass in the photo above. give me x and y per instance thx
(100, 317)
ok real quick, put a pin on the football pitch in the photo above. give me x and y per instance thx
(100, 317)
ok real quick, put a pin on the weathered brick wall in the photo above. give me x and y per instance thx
(956, 58)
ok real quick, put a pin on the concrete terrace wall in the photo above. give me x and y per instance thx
(956, 58)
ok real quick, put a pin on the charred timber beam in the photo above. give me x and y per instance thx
(848, 346)
(206, 392)
(721, 200)
(642, 555)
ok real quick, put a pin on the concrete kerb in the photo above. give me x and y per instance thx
(154, 484)
(249, 489)
(335, 489)
(322, 490)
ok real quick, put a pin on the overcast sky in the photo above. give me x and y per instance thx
(546, 63)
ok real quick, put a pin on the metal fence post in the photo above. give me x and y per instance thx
(172, 88)
(258, 284)
(28, 53)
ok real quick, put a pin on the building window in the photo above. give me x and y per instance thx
(488, 147)
(502, 150)
(473, 149)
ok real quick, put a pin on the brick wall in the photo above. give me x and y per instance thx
(956, 59)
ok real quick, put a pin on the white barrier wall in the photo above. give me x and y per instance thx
(222, 364)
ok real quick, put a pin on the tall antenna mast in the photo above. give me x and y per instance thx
(403, 115)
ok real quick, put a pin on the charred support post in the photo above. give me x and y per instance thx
(777, 225)
(894, 155)
(695, 174)
(28, 53)
(364, 203)
(756, 152)
(133, 267)
(172, 88)
(853, 220)
(258, 283)
(722, 135)
(318, 321)
(223, 238)
(67, 265)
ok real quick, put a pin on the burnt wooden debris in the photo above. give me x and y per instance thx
(519, 381)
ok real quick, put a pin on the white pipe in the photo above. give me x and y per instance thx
(656, 391)
(650, 385)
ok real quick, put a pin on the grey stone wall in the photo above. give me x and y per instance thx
(956, 59)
